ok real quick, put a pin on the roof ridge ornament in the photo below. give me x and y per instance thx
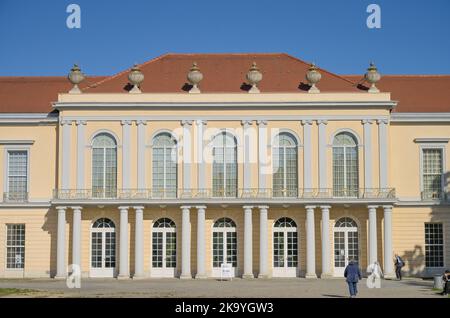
(313, 77)
(254, 76)
(136, 77)
(372, 76)
(75, 77)
(194, 77)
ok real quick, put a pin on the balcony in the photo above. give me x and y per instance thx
(433, 196)
(244, 195)
(15, 197)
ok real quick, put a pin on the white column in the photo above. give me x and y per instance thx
(200, 158)
(65, 153)
(126, 154)
(248, 243)
(262, 153)
(61, 271)
(139, 243)
(307, 154)
(323, 184)
(124, 271)
(201, 248)
(185, 243)
(388, 267)
(76, 236)
(263, 246)
(383, 152)
(141, 125)
(81, 147)
(372, 234)
(187, 154)
(247, 169)
(367, 124)
(326, 270)
(310, 243)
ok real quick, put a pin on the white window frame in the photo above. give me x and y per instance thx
(8, 149)
(423, 147)
(443, 245)
(165, 149)
(225, 172)
(276, 150)
(357, 147)
(106, 132)
(6, 248)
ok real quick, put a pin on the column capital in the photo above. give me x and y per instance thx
(61, 208)
(305, 122)
(246, 207)
(246, 123)
(76, 208)
(201, 122)
(263, 207)
(310, 207)
(126, 122)
(186, 123)
(372, 207)
(325, 207)
(261, 122)
(64, 122)
(200, 207)
(122, 208)
(387, 207)
(80, 122)
(185, 207)
(322, 122)
(367, 121)
(141, 122)
(382, 121)
(139, 207)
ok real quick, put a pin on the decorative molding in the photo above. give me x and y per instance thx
(322, 122)
(186, 122)
(261, 122)
(16, 142)
(126, 122)
(420, 117)
(368, 121)
(141, 122)
(440, 140)
(306, 122)
(382, 121)
(246, 123)
(80, 122)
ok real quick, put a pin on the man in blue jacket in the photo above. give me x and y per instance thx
(352, 275)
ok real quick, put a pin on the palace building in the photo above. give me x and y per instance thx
(187, 162)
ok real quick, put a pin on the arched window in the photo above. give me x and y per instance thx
(224, 243)
(224, 165)
(104, 166)
(164, 166)
(164, 247)
(285, 248)
(345, 165)
(285, 168)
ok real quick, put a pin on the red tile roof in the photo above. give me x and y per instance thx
(225, 73)
(415, 93)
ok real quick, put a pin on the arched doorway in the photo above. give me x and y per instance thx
(103, 248)
(224, 245)
(346, 244)
(164, 248)
(285, 248)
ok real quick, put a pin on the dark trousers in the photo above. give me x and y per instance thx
(446, 287)
(398, 272)
(353, 288)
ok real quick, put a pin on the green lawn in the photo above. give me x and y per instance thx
(15, 291)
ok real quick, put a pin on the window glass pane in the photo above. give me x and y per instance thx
(17, 175)
(104, 166)
(345, 165)
(432, 169)
(434, 245)
(224, 166)
(15, 246)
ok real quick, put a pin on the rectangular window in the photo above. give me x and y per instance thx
(432, 168)
(15, 246)
(17, 175)
(434, 245)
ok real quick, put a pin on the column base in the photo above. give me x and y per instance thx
(326, 275)
(60, 277)
(248, 276)
(263, 276)
(390, 276)
(185, 276)
(311, 276)
(123, 277)
(201, 276)
(137, 277)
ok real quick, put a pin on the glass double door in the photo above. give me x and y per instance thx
(224, 250)
(346, 248)
(103, 253)
(164, 253)
(285, 253)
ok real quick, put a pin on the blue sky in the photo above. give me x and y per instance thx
(34, 38)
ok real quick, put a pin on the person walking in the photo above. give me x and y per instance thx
(352, 274)
(446, 283)
(399, 263)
